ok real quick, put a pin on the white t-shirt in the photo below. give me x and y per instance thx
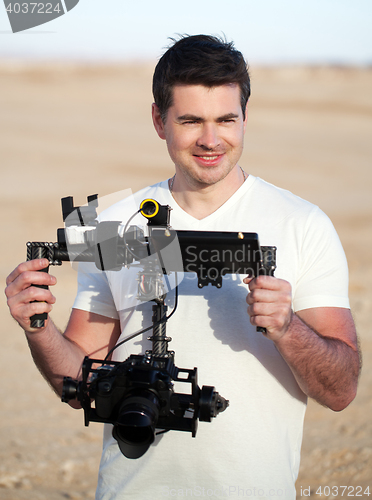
(252, 449)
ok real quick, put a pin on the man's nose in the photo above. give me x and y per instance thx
(208, 138)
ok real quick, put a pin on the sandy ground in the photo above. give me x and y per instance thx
(67, 130)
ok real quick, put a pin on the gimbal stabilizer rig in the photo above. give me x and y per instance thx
(137, 395)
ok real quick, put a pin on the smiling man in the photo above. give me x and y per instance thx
(201, 88)
(204, 131)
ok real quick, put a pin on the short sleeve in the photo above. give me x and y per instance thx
(323, 278)
(94, 293)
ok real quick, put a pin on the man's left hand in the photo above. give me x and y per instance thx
(270, 304)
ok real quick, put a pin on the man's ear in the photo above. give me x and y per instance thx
(246, 116)
(157, 121)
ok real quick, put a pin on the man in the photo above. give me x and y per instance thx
(201, 89)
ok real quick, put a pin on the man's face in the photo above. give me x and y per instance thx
(204, 131)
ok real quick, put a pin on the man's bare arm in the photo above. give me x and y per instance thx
(56, 354)
(325, 367)
(319, 345)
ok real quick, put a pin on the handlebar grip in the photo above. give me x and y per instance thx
(269, 265)
(35, 251)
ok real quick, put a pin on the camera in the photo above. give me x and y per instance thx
(137, 396)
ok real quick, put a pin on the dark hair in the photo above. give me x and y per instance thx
(199, 60)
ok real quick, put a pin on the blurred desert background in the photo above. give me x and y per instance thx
(77, 130)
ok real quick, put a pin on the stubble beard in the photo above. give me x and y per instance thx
(208, 176)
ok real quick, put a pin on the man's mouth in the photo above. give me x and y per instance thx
(207, 159)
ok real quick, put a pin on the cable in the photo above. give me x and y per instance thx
(175, 296)
(125, 232)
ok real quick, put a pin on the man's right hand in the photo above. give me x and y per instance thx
(22, 295)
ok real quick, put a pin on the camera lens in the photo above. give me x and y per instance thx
(134, 429)
(69, 389)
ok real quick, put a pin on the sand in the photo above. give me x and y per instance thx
(79, 130)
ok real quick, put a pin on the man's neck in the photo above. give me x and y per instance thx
(202, 201)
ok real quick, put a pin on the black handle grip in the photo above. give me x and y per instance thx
(269, 265)
(261, 329)
(38, 251)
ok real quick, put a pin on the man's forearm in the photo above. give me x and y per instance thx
(55, 356)
(325, 368)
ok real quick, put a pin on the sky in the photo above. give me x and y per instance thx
(266, 31)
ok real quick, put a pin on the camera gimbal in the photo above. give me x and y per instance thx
(137, 395)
